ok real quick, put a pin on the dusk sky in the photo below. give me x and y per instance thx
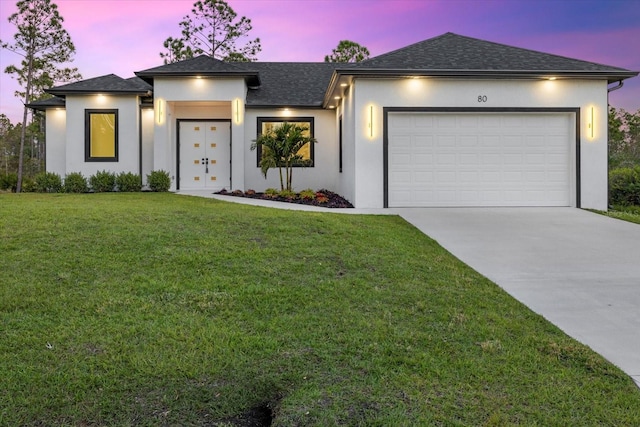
(123, 36)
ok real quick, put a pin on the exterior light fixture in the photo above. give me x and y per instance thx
(371, 121)
(336, 97)
(552, 78)
(591, 124)
(343, 85)
(237, 111)
(160, 111)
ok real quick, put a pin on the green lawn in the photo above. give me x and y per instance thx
(625, 213)
(158, 309)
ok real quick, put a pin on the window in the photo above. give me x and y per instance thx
(267, 124)
(101, 136)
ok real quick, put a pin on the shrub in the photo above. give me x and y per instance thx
(271, 192)
(237, 192)
(9, 182)
(308, 194)
(288, 194)
(48, 182)
(159, 180)
(250, 192)
(128, 182)
(321, 197)
(28, 185)
(624, 186)
(75, 183)
(103, 181)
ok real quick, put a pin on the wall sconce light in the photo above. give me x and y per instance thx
(591, 124)
(238, 120)
(371, 121)
(160, 111)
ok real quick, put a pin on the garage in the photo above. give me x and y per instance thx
(472, 158)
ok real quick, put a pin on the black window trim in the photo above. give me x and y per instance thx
(310, 120)
(87, 135)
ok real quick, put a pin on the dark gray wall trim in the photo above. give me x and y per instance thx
(385, 133)
(87, 135)
(311, 120)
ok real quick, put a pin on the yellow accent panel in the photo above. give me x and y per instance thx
(196, 145)
(196, 162)
(103, 135)
(213, 128)
(213, 162)
(196, 178)
(196, 128)
(213, 145)
(213, 178)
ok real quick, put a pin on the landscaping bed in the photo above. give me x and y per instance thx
(323, 198)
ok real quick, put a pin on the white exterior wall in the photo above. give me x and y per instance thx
(128, 136)
(56, 125)
(583, 94)
(347, 179)
(193, 98)
(323, 173)
(146, 120)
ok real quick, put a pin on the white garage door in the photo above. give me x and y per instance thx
(479, 159)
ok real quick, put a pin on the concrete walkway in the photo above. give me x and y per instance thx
(579, 270)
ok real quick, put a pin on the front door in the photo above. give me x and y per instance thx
(205, 148)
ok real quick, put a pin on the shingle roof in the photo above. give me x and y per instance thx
(455, 52)
(312, 84)
(45, 104)
(203, 65)
(290, 83)
(109, 83)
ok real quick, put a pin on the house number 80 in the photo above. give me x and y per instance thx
(482, 98)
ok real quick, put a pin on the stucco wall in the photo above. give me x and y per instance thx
(56, 138)
(323, 173)
(128, 136)
(583, 94)
(346, 179)
(146, 120)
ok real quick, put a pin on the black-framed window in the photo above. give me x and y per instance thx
(101, 135)
(267, 124)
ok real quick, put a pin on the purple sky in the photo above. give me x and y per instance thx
(123, 36)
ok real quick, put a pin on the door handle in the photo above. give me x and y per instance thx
(207, 167)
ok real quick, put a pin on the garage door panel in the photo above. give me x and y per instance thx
(487, 159)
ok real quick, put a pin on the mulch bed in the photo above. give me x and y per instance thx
(324, 198)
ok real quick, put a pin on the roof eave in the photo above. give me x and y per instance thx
(252, 78)
(611, 75)
(63, 93)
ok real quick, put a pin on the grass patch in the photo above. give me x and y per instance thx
(625, 213)
(158, 309)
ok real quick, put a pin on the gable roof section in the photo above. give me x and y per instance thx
(109, 83)
(202, 65)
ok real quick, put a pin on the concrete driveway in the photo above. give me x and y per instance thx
(579, 270)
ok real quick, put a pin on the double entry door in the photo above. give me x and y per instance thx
(205, 155)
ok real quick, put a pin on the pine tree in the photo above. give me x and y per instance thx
(44, 45)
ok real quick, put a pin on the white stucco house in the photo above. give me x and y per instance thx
(449, 121)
